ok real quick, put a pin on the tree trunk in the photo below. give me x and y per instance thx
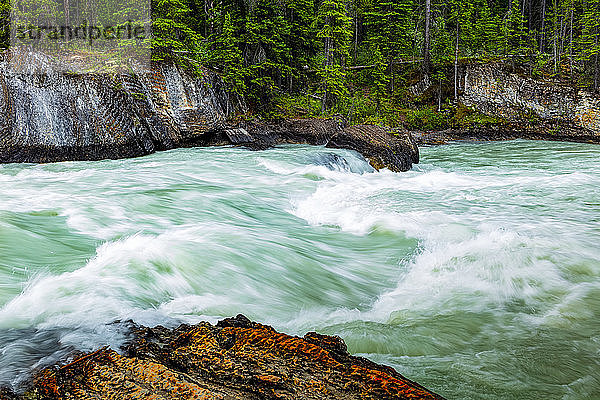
(67, 14)
(355, 38)
(596, 66)
(571, 45)
(529, 16)
(555, 34)
(456, 68)
(327, 64)
(426, 52)
(440, 95)
(543, 32)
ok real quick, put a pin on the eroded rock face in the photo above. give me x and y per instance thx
(236, 359)
(536, 104)
(48, 115)
(54, 116)
(526, 108)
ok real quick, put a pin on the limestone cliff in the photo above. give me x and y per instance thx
(494, 90)
(527, 108)
(54, 116)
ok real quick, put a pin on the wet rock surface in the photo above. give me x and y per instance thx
(394, 149)
(551, 132)
(234, 359)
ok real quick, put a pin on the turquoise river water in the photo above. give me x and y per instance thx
(477, 273)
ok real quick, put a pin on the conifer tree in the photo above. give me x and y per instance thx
(302, 37)
(390, 27)
(590, 44)
(171, 35)
(334, 30)
(487, 31)
(226, 54)
(379, 75)
(514, 32)
(267, 55)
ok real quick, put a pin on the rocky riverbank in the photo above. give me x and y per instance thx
(49, 115)
(565, 134)
(234, 359)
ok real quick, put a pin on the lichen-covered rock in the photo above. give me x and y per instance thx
(236, 359)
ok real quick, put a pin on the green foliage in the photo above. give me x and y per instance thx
(391, 24)
(290, 106)
(353, 55)
(464, 117)
(515, 35)
(172, 37)
(589, 40)
(378, 74)
(334, 30)
(301, 39)
(268, 55)
(227, 55)
(427, 119)
(487, 31)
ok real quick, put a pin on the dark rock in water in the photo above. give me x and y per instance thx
(236, 359)
(384, 148)
(395, 150)
(50, 116)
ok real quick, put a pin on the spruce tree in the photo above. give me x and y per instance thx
(267, 55)
(226, 55)
(514, 31)
(390, 25)
(301, 38)
(334, 29)
(590, 44)
(171, 35)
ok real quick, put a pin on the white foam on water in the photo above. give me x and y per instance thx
(505, 245)
(466, 252)
(125, 277)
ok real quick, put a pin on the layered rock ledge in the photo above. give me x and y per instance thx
(234, 359)
(49, 115)
(526, 108)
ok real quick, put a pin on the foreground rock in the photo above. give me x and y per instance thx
(49, 116)
(236, 359)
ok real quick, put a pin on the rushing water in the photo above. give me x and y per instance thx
(476, 274)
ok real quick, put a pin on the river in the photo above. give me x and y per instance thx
(476, 274)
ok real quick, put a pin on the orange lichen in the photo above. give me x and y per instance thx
(241, 360)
